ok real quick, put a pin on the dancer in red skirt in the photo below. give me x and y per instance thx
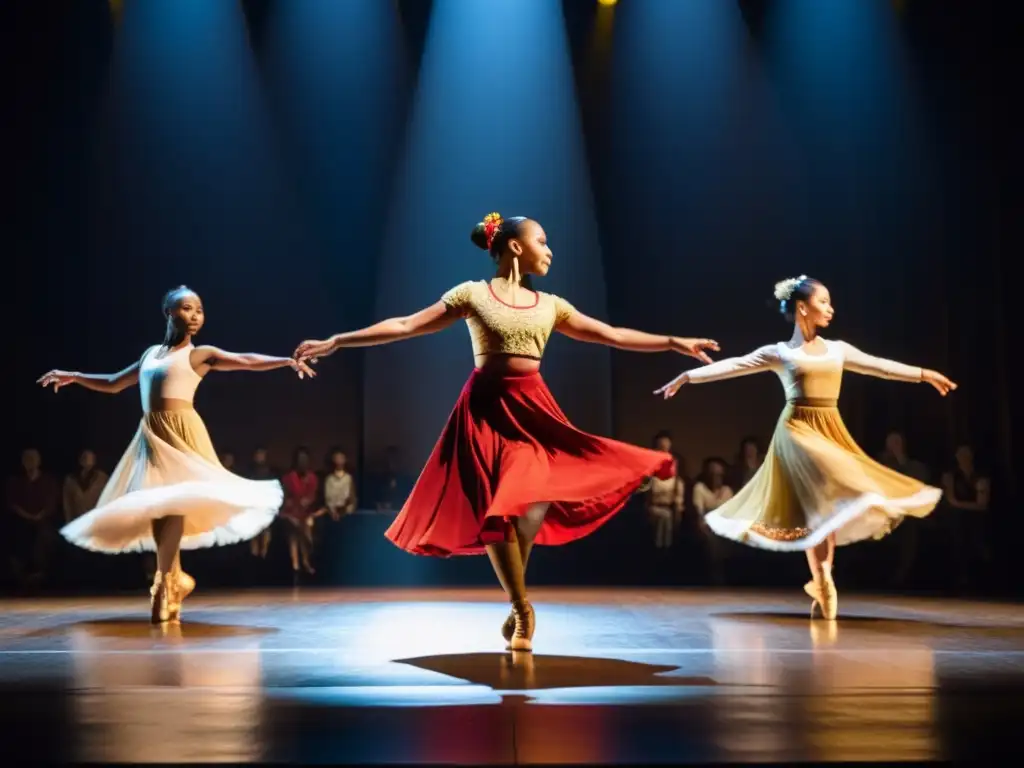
(509, 469)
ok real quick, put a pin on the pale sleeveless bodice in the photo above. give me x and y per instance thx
(807, 378)
(167, 377)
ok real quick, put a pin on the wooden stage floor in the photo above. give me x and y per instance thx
(618, 676)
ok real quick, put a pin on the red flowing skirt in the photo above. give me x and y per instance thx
(506, 446)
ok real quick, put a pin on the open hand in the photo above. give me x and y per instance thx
(695, 348)
(937, 380)
(670, 389)
(57, 379)
(302, 368)
(313, 350)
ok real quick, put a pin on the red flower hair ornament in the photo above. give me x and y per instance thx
(492, 223)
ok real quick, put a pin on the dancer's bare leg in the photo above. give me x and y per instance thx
(508, 566)
(822, 588)
(525, 532)
(167, 532)
(528, 526)
(816, 558)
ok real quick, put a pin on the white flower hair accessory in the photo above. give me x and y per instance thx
(784, 288)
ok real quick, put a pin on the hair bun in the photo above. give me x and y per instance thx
(484, 233)
(479, 236)
(784, 288)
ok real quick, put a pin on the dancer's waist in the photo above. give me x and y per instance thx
(502, 374)
(814, 402)
(164, 404)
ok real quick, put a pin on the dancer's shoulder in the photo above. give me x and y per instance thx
(461, 295)
(148, 351)
(563, 308)
(771, 351)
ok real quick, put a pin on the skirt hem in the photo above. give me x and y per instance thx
(739, 530)
(226, 513)
(518, 510)
(224, 535)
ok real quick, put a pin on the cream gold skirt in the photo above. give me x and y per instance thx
(171, 468)
(815, 480)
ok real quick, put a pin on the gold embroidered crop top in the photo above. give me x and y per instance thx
(498, 328)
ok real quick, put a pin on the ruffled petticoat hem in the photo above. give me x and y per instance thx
(844, 514)
(224, 513)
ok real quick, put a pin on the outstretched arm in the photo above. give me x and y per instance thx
(762, 359)
(861, 362)
(583, 328)
(434, 318)
(206, 359)
(108, 383)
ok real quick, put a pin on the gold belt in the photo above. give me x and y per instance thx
(814, 402)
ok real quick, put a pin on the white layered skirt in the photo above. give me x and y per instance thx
(171, 468)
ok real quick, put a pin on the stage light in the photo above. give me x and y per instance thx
(607, 2)
(459, 116)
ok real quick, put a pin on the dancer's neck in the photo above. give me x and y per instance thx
(510, 274)
(802, 335)
(175, 341)
(509, 278)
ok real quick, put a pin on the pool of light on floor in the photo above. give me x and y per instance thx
(476, 695)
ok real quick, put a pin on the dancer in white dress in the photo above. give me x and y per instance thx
(169, 491)
(816, 488)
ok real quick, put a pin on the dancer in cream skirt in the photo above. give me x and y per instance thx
(816, 488)
(169, 491)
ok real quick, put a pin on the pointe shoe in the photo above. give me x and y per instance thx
(812, 590)
(184, 585)
(830, 605)
(824, 597)
(159, 608)
(526, 623)
(508, 629)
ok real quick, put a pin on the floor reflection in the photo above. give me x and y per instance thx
(845, 704)
(140, 705)
(143, 630)
(893, 627)
(744, 656)
(618, 677)
(846, 717)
